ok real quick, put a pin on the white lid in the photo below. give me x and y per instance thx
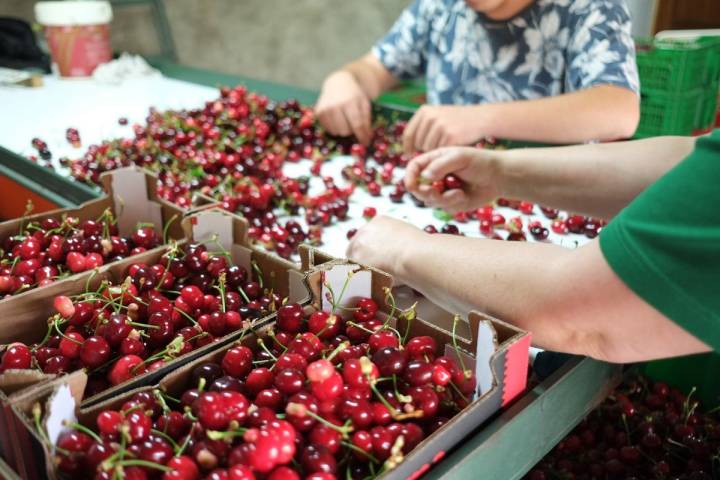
(69, 13)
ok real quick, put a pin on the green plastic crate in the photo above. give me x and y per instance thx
(676, 66)
(662, 113)
(709, 110)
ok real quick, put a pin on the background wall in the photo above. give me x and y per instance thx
(296, 42)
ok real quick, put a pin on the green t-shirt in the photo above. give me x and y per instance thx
(665, 245)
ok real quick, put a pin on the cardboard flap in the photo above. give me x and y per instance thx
(311, 257)
(214, 222)
(126, 186)
(14, 380)
(297, 289)
(341, 283)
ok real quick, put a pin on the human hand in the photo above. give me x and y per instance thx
(343, 108)
(435, 126)
(382, 243)
(477, 168)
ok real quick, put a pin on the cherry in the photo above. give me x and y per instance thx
(237, 361)
(125, 368)
(317, 458)
(369, 212)
(182, 468)
(76, 262)
(259, 379)
(328, 389)
(16, 356)
(390, 361)
(290, 318)
(419, 348)
(289, 381)
(418, 373)
(94, 352)
(70, 345)
(324, 325)
(64, 306)
(452, 182)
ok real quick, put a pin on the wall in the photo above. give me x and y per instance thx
(296, 42)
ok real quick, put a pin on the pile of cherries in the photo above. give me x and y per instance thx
(316, 396)
(50, 249)
(185, 301)
(644, 430)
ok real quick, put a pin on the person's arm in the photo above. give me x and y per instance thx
(344, 104)
(343, 107)
(569, 299)
(596, 180)
(605, 112)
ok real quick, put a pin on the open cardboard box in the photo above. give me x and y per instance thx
(228, 230)
(499, 358)
(131, 194)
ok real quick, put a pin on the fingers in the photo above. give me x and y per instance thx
(410, 133)
(431, 140)
(450, 161)
(357, 116)
(416, 166)
(334, 121)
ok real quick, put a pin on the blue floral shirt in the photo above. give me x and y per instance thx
(551, 47)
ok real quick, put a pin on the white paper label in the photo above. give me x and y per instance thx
(486, 346)
(60, 412)
(212, 224)
(132, 205)
(347, 283)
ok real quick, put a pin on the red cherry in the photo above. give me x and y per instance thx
(419, 348)
(76, 262)
(237, 361)
(125, 368)
(369, 212)
(70, 345)
(452, 182)
(183, 468)
(441, 376)
(559, 227)
(17, 356)
(108, 422)
(192, 295)
(64, 306)
(94, 352)
(328, 389)
(319, 370)
(290, 317)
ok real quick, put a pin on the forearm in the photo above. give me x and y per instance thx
(597, 180)
(605, 112)
(570, 300)
(508, 280)
(372, 77)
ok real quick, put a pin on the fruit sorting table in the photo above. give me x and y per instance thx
(505, 447)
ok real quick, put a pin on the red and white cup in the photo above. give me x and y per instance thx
(78, 33)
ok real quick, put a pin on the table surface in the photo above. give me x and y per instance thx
(94, 110)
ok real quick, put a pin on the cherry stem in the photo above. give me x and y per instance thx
(258, 273)
(85, 430)
(218, 435)
(161, 400)
(57, 329)
(344, 430)
(261, 342)
(143, 463)
(271, 334)
(393, 307)
(166, 437)
(336, 303)
(354, 447)
(338, 349)
(221, 288)
(166, 228)
(467, 373)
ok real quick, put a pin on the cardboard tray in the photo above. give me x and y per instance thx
(131, 196)
(502, 350)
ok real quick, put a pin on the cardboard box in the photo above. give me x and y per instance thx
(499, 358)
(131, 196)
(29, 325)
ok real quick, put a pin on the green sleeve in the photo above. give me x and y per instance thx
(665, 246)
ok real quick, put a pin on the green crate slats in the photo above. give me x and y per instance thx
(678, 65)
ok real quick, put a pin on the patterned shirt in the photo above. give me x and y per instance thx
(551, 47)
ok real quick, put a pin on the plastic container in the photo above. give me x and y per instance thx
(678, 65)
(663, 113)
(78, 33)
